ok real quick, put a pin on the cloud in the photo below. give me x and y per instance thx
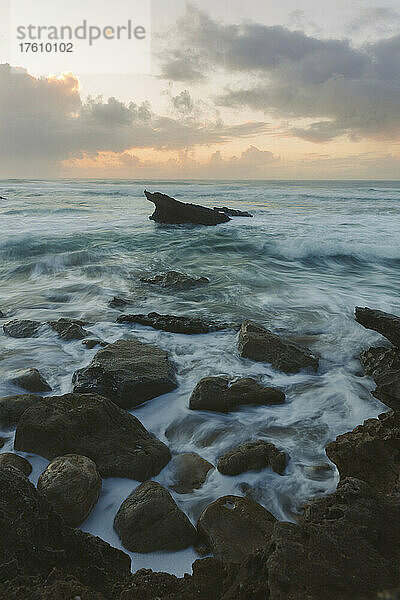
(339, 89)
(45, 120)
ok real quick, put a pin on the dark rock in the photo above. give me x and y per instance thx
(174, 279)
(2, 441)
(2, 315)
(252, 456)
(223, 394)
(174, 324)
(260, 344)
(171, 211)
(117, 302)
(42, 558)
(92, 343)
(95, 427)
(69, 329)
(31, 380)
(12, 407)
(384, 323)
(150, 521)
(21, 328)
(232, 212)
(383, 364)
(9, 459)
(188, 472)
(234, 527)
(370, 452)
(72, 485)
(128, 372)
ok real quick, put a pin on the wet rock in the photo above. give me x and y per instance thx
(12, 407)
(21, 328)
(232, 212)
(383, 365)
(384, 323)
(9, 459)
(69, 329)
(171, 211)
(252, 456)
(224, 394)
(234, 527)
(2, 315)
(128, 372)
(174, 279)
(370, 452)
(41, 557)
(150, 521)
(260, 344)
(31, 380)
(117, 302)
(95, 427)
(92, 343)
(72, 485)
(174, 324)
(188, 472)
(2, 441)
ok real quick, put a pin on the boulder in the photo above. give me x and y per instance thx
(128, 372)
(370, 452)
(171, 211)
(383, 365)
(92, 343)
(223, 394)
(72, 485)
(21, 328)
(252, 456)
(31, 380)
(188, 472)
(260, 344)
(384, 323)
(95, 427)
(234, 527)
(174, 324)
(232, 212)
(9, 459)
(12, 407)
(174, 279)
(149, 521)
(69, 329)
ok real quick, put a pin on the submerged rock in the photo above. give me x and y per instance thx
(223, 394)
(252, 456)
(260, 344)
(31, 380)
(188, 472)
(95, 427)
(174, 324)
(172, 212)
(117, 302)
(234, 527)
(9, 459)
(72, 485)
(383, 365)
(370, 452)
(12, 407)
(21, 328)
(128, 372)
(174, 279)
(149, 521)
(384, 323)
(69, 329)
(232, 212)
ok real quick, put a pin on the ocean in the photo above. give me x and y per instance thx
(311, 253)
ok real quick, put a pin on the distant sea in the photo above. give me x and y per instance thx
(311, 253)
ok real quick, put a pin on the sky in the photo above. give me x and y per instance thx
(238, 89)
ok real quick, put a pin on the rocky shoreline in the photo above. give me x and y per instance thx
(345, 546)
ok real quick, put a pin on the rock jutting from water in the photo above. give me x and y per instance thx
(69, 329)
(232, 212)
(93, 426)
(150, 521)
(12, 407)
(21, 328)
(260, 344)
(92, 343)
(188, 472)
(252, 456)
(384, 323)
(383, 365)
(128, 372)
(173, 212)
(117, 302)
(225, 394)
(175, 324)
(176, 280)
(31, 380)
